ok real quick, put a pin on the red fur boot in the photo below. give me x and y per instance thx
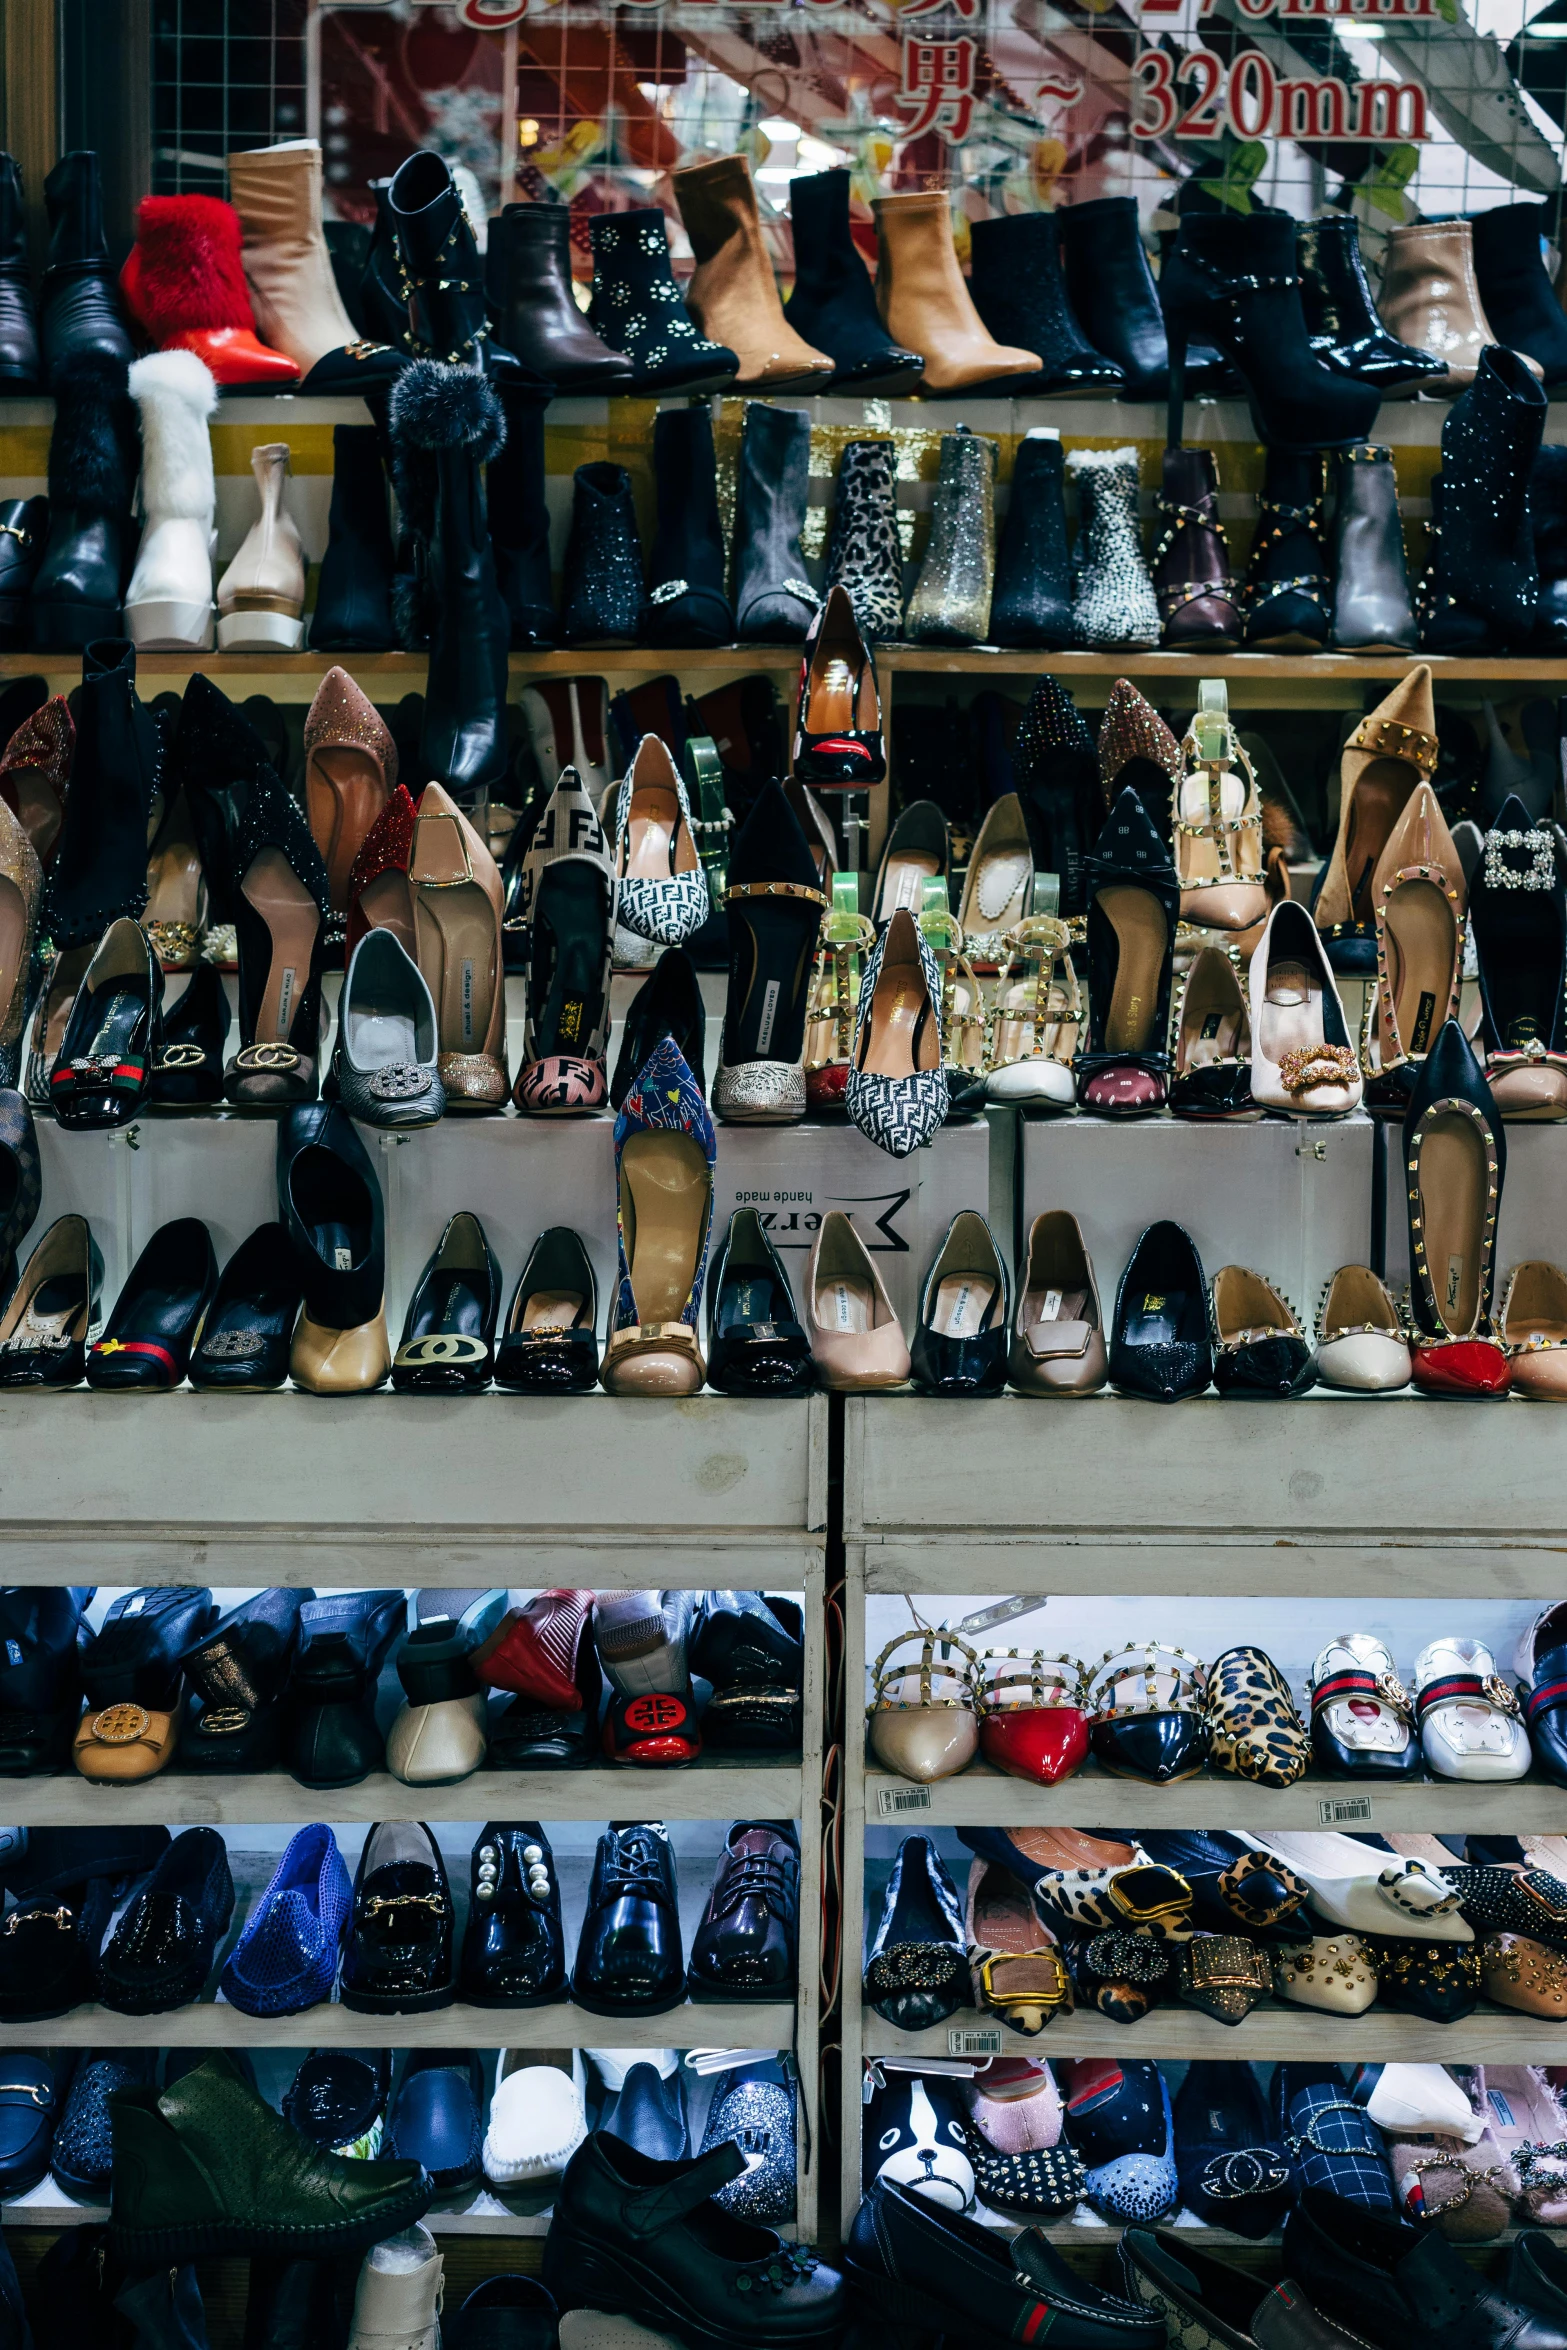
(184, 285)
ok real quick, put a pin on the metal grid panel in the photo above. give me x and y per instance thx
(226, 74)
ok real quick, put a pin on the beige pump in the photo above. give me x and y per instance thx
(261, 596)
(457, 907)
(855, 1335)
(1418, 895)
(924, 299)
(733, 295)
(1392, 750)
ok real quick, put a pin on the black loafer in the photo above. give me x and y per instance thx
(161, 1952)
(910, 2263)
(744, 1948)
(1161, 1344)
(249, 1327)
(332, 1738)
(237, 1674)
(514, 1946)
(629, 1958)
(916, 1971)
(42, 1635)
(29, 2102)
(1390, 2284)
(65, 1888)
(643, 2239)
(750, 1649)
(399, 1958)
(338, 2100)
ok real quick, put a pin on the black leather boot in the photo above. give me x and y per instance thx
(1341, 318)
(1110, 286)
(774, 600)
(20, 364)
(1032, 600)
(380, 308)
(353, 611)
(864, 554)
(1481, 587)
(94, 459)
(833, 305)
(332, 1738)
(79, 304)
(1371, 606)
(520, 524)
(686, 599)
(164, 2310)
(24, 531)
(446, 423)
(636, 307)
(527, 269)
(1019, 290)
(1548, 520)
(296, 2304)
(1520, 302)
(1230, 279)
(601, 579)
(441, 273)
(99, 867)
(1286, 592)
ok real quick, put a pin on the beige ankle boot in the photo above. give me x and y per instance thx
(734, 296)
(924, 299)
(1430, 297)
(261, 596)
(277, 193)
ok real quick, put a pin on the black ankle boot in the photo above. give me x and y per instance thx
(1341, 318)
(1231, 280)
(446, 423)
(686, 599)
(99, 867)
(24, 533)
(864, 553)
(1286, 592)
(1519, 300)
(833, 305)
(1032, 600)
(164, 2310)
(1055, 766)
(353, 611)
(527, 269)
(380, 309)
(1548, 519)
(20, 365)
(294, 2304)
(441, 273)
(774, 600)
(79, 305)
(1482, 576)
(1110, 286)
(94, 459)
(1019, 290)
(636, 308)
(520, 524)
(601, 579)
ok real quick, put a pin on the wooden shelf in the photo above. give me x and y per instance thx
(980, 1797)
(210, 2023)
(1491, 2035)
(719, 1787)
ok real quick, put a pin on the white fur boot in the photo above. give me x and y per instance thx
(169, 600)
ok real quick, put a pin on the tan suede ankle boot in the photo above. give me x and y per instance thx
(924, 299)
(733, 295)
(277, 193)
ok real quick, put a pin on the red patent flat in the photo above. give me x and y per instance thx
(1462, 1366)
(1032, 1722)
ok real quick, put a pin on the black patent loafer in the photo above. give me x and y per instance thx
(745, 1946)
(160, 1954)
(514, 1950)
(338, 2100)
(113, 1039)
(629, 1956)
(965, 1316)
(400, 1957)
(1161, 1342)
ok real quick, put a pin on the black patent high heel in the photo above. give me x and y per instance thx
(113, 1040)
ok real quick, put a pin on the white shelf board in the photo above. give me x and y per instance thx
(980, 1797)
(1224, 1565)
(295, 1488)
(717, 1788)
(211, 2023)
(1490, 2035)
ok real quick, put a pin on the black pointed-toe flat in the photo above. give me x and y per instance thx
(245, 1339)
(147, 1342)
(1259, 1346)
(916, 1970)
(756, 1342)
(1161, 1343)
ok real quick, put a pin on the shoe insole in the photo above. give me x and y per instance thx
(344, 794)
(830, 705)
(1000, 887)
(750, 1298)
(1054, 1305)
(375, 1039)
(1375, 806)
(287, 908)
(1155, 1317)
(173, 884)
(50, 1314)
(962, 1303)
(651, 832)
(668, 1189)
(116, 1010)
(387, 904)
(1141, 934)
(1214, 1036)
(903, 881)
(452, 1307)
(552, 1309)
(901, 1037)
(331, 1204)
(459, 950)
(845, 1304)
(1003, 1916)
(570, 950)
(771, 943)
(161, 1313)
(1452, 1189)
(1291, 1016)
(1422, 955)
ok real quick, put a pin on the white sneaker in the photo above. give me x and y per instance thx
(537, 2117)
(1470, 1725)
(397, 2302)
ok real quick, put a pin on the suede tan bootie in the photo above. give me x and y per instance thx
(733, 295)
(924, 299)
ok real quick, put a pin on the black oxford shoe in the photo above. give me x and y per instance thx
(629, 1958)
(513, 1952)
(745, 1944)
(1391, 2284)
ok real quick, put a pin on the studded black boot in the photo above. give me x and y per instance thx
(636, 308)
(1286, 594)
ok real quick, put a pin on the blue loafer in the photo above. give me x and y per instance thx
(286, 1959)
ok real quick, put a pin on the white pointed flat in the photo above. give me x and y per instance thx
(1368, 1891)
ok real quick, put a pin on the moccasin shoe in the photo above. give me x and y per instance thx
(537, 2117)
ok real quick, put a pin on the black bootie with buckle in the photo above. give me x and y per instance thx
(441, 274)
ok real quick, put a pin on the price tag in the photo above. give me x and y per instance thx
(892, 1802)
(978, 2041)
(1345, 1811)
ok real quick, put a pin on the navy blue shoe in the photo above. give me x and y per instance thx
(1542, 1663)
(1331, 2141)
(650, 2114)
(29, 2101)
(1234, 2172)
(286, 1959)
(437, 2116)
(1119, 2122)
(79, 2159)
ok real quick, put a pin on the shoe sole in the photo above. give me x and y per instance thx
(627, 2006)
(211, 2238)
(585, 2275)
(396, 2003)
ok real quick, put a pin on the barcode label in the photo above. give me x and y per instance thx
(891, 1801)
(1338, 1811)
(974, 2043)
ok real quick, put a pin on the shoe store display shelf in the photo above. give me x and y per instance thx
(1270, 2034)
(211, 2023)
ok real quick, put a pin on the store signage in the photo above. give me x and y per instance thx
(1195, 97)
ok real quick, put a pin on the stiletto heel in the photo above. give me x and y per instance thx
(664, 1153)
(457, 909)
(567, 902)
(1134, 902)
(350, 770)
